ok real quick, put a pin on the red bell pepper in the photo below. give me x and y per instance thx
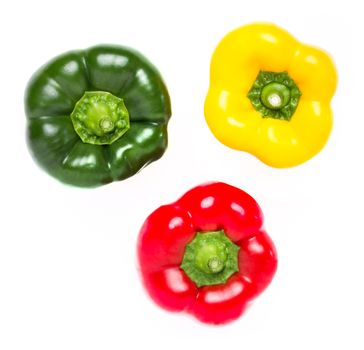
(207, 253)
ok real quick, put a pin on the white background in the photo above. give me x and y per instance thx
(68, 277)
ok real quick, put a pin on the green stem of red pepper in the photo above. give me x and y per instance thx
(211, 258)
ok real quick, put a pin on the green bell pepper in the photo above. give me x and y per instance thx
(97, 115)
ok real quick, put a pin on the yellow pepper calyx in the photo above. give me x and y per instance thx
(274, 95)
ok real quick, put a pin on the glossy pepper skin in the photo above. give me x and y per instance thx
(55, 89)
(242, 121)
(167, 233)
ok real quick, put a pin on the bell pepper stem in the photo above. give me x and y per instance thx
(106, 124)
(215, 264)
(274, 95)
(210, 258)
(100, 118)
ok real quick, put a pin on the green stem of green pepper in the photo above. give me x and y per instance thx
(100, 118)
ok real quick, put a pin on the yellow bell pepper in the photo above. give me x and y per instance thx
(270, 95)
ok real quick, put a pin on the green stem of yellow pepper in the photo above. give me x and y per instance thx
(274, 95)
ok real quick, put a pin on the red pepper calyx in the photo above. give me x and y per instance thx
(210, 258)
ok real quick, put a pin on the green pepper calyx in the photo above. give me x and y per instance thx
(274, 95)
(100, 118)
(210, 258)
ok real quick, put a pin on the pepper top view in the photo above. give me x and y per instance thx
(270, 95)
(97, 115)
(207, 254)
(100, 115)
